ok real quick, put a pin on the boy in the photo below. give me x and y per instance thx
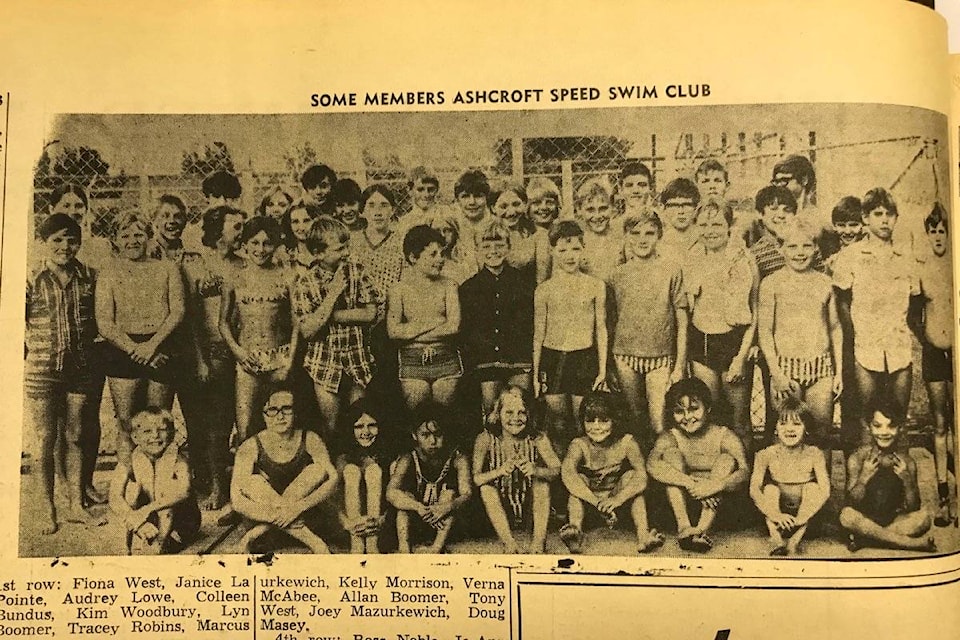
(776, 207)
(569, 332)
(497, 317)
(423, 313)
(335, 305)
(424, 188)
(650, 334)
(636, 186)
(429, 485)
(602, 245)
(543, 197)
(847, 220)
(883, 498)
(799, 485)
(151, 492)
(679, 200)
(712, 179)
(168, 226)
(346, 201)
(58, 347)
(799, 332)
(933, 327)
(317, 183)
(875, 281)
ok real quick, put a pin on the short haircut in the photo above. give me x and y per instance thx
(258, 224)
(315, 175)
(602, 405)
(286, 229)
(130, 218)
(799, 227)
(849, 209)
(539, 187)
(472, 182)
(56, 223)
(57, 194)
(380, 188)
(876, 198)
(442, 419)
(693, 388)
(680, 188)
(262, 209)
(711, 164)
(419, 238)
(590, 189)
(564, 229)
(636, 168)
(221, 184)
(323, 230)
(175, 201)
(212, 225)
(346, 190)
(793, 406)
(648, 216)
(886, 405)
(713, 206)
(492, 422)
(937, 216)
(139, 420)
(801, 169)
(505, 187)
(422, 173)
(773, 195)
(493, 230)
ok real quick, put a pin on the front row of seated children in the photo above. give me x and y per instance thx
(284, 474)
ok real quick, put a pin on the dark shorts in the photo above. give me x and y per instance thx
(118, 364)
(499, 372)
(568, 372)
(715, 351)
(937, 364)
(43, 382)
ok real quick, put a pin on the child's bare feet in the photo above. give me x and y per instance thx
(572, 536)
(250, 537)
(78, 514)
(48, 523)
(652, 541)
(779, 550)
(93, 496)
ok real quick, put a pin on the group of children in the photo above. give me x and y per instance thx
(499, 326)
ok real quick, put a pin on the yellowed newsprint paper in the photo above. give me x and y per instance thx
(487, 321)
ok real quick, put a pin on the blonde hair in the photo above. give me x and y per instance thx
(592, 188)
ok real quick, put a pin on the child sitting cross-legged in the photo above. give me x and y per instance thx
(789, 483)
(605, 470)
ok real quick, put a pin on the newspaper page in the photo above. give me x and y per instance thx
(446, 322)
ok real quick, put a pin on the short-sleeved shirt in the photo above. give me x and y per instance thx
(718, 288)
(60, 318)
(382, 262)
(497, 318)
(881, 279)
(647, 294)
(766, 251)
(310, 291)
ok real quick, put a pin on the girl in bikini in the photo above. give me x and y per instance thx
(605, 469)
(281, 475)
(256, 300)
(789, 483)
(513, 467)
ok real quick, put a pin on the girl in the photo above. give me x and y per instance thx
(798, 484)
(282, 495)
(256, 300)
(697, 460)
(139, 303)
(378, 248)
(513, 465)
(602, 244)
(346, 199)
(459, 263)
(294, 229)
(722, 281)
(275, 204)
(529, 248)
(363, 464)
(605, 470)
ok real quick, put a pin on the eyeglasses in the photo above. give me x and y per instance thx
(273, 412)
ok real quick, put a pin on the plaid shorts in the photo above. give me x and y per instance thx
(326, 366)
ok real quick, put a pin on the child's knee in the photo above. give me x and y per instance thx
(849, 517)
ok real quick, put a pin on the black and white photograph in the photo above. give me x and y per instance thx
(698, 331)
